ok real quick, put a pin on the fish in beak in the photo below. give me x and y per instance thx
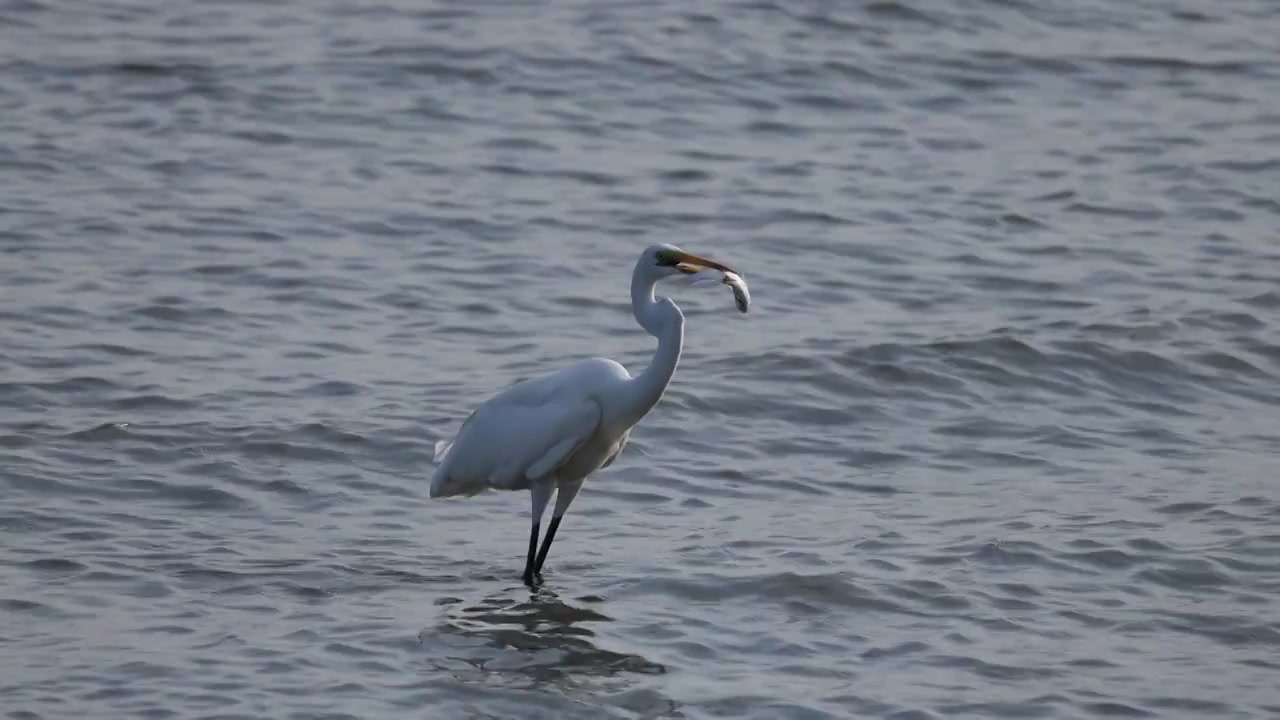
(701, 269)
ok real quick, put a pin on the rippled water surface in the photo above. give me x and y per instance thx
(998, 438)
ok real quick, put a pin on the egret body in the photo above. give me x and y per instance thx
(548, 434)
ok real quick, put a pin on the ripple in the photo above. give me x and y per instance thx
(196, 497)
(59, 565)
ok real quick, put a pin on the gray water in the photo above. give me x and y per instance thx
(998, 438)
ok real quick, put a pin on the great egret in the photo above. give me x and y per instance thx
(549, 433)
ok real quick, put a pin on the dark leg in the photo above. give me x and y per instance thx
(529, 567)
(546, 545)
(539, 494)
(564, 496)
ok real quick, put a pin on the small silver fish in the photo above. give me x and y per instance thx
(741, 296)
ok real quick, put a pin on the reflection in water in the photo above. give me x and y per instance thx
(541, 653)
(536, 636)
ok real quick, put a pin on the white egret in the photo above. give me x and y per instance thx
(547, 434)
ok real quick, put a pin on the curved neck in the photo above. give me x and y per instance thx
(663, 320)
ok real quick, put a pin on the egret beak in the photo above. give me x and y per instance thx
(690, 264)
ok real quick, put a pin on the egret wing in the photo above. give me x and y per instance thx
(576, 425)
(506, 444)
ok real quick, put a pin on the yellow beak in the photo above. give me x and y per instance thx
(690, 264)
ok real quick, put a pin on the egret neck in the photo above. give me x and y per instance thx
(663, 320)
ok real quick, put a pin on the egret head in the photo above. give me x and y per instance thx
(663, 261)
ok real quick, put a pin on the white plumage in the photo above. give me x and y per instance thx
(531, 429)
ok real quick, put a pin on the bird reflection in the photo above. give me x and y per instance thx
(541, 613)
(537, 635)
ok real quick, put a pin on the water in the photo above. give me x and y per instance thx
(998, 437)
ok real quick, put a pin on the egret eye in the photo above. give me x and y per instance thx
(666, 257)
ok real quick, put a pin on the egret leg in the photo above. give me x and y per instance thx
(546, 545)
(540, 495)
(533, 548)
(563, 498)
